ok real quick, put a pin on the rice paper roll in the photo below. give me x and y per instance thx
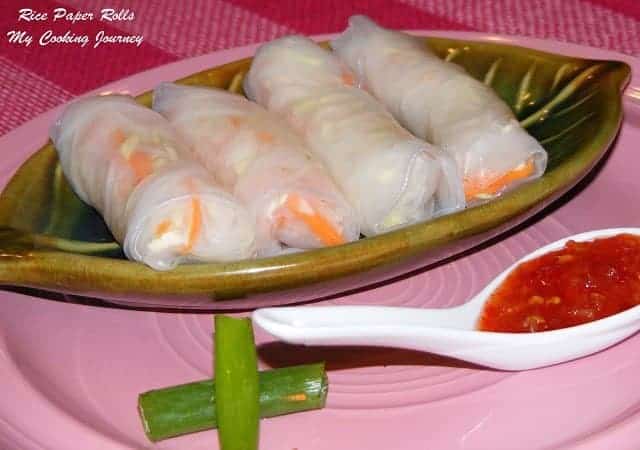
(126, 161)
(265, 164)
(438, 101)
(391, 177)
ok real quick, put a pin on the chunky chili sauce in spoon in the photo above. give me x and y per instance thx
(582, 282)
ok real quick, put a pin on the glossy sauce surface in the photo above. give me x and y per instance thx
(582, 282)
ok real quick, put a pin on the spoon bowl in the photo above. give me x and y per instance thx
(452, 332)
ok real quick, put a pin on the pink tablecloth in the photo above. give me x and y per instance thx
(39, 76)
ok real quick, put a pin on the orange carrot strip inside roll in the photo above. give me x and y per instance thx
(348, 78)
(162, 228)
(317, 223)
(119, 137)
(195, 224)
(142, 164)
(265, 137)
(474, 188)
(235, 121)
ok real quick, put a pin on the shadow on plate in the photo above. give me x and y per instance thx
(280, 354)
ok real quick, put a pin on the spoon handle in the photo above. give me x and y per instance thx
(353, 325)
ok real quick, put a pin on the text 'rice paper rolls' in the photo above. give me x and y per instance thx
(264, 163)
(438, 101)
(126, 161)
(391, 177)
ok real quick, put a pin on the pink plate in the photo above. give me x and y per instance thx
(71, 373)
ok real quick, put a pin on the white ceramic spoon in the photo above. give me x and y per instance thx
(451, 331)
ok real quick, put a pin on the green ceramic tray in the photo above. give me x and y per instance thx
(50, 240)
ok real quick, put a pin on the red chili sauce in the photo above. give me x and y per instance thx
(582, 282)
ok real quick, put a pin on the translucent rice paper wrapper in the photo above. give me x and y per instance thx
(391, 177)
(265, 164)
(438, 101)
(126, 161)
(207, 223)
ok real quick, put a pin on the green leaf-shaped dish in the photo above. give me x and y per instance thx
(50, 240)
